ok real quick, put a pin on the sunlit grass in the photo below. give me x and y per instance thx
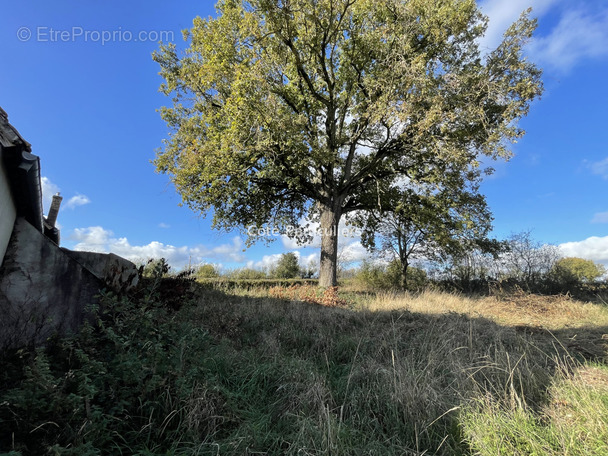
(549, 312)
(573, 421)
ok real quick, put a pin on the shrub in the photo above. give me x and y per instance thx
(386, 277)
(156, 268)
(207, 271)
(247, 274)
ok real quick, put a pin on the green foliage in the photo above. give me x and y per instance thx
(287, 267)
(207, 271)
(156, 268)
(247, 274)
(318, 109)
(372, 276)
(572, 271)
(123, 382)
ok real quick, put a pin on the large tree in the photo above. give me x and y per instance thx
(291, 110)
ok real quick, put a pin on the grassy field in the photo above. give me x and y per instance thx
(204, 372)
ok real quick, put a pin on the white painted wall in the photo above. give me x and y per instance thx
(7, 210)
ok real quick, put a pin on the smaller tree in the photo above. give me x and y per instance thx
(375, 276)
(287, 267)
(529, 261)
(573, 271)
(447, 219)
(310, 271)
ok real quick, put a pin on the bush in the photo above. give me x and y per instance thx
(207, 271)
(247, 274)
(386, 277)
(156, 268)
(122, 382)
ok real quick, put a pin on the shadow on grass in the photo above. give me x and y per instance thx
(180, 370)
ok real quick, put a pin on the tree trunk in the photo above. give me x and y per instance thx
(330, 219)
(404, 267)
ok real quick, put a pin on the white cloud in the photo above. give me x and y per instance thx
(600, 168)
(98, 239)
(313, 258)
(503, 13)
(49, 189)
(579, 35)
(164, 225)
(600, 217)
(593, 248)
(78, 200)
(267, 262)
(352, 252)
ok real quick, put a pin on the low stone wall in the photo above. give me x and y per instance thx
(44, 289)
(118, 274)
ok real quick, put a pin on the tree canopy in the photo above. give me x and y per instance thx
(571, 270)
(292, 110)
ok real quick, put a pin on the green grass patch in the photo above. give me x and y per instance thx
(574, 420)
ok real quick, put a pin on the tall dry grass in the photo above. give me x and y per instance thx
(549, 312)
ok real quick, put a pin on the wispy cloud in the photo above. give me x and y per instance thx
(49, 189)
(503, 13)
(77, 200)
(164, 225)
(99, 239)
(600, 217)
(600, 168)
(579, 35)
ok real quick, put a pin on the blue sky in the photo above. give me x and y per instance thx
(79, 83)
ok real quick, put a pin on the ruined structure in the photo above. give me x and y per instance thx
(44, 289)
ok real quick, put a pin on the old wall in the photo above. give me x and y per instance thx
(7, 209)
(42, 289)
(118, 274)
